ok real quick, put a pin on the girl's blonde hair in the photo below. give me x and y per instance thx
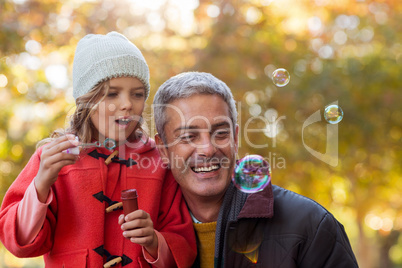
(80, 122)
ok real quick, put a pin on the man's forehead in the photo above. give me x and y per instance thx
(202, 127)
(205, 104)
(193, 119)
(200, 111)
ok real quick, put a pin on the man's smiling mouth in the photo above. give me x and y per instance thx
(205, 169)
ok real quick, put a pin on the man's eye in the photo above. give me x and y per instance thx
(222, 134)
(187, 137)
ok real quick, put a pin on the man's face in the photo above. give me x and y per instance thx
(200, 145)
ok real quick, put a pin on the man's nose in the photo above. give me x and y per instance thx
(206, 147)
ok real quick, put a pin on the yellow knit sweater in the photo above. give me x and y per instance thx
(206, 243)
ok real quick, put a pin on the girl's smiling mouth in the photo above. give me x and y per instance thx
(124, 121)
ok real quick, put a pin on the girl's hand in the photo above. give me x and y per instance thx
(139, 228)
(53, 159)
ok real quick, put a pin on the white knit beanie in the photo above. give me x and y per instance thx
(101, 57)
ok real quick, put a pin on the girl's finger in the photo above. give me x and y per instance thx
(141, 240)
(137, 214)
(60, 145)
(65, 144)
(48, 160)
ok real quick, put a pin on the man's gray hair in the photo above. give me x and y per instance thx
(185, 85)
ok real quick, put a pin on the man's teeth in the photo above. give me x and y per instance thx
(206, 169)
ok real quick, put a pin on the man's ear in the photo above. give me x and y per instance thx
(162, 149)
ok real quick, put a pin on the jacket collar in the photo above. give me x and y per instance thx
(259, 204)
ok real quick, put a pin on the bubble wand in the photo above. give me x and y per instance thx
(108, 143)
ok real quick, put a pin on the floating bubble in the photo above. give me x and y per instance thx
(252, 174)
(333, 114)
(280, 77)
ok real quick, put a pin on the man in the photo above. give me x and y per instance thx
(195, 117)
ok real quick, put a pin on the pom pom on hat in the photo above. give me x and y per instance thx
(102, 57)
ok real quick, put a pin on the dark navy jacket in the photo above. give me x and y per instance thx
(277, 228)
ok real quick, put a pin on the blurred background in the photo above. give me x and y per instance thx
(347, 52)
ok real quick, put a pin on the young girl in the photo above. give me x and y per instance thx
(67, 206)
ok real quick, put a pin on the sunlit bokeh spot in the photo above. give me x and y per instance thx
(333, 114)
(280, 77)
(326, 52)
(271, 115)
(316, 66)
(57, 75)
(314, 25)
(300, 67)
(213, 11)
(273, 129)
(252, 174)
(347, 22)
(42, 111)
(22, 87)
(6, 167)
(269, 69)
(266, 2)
(366, 34)
(33, 47)
(316, 44)
(255, 110)
(17, 150)
(62, 24)
(253, 15)
(340, 37)
(29, 61)
(395, 253)
(150, 4)
(3, 80)
(377, 222)
(250, 98)
(19, 2)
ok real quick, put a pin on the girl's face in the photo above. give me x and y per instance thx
(117, 115)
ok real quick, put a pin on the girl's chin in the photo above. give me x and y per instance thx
(120, 136)
(117, 139)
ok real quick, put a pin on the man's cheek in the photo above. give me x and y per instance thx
(225, 162)
(177, 162)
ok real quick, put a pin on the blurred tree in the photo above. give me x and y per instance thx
(346, 52)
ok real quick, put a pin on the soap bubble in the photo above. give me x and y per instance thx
(280, 77)
(333, 114)
(252, 173)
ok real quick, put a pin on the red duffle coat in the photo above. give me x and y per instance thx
(77, 230)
